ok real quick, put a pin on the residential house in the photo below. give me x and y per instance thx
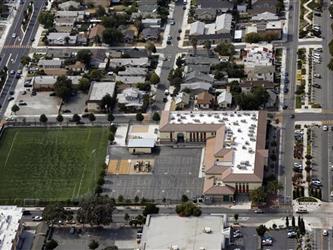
(258, 62)
(196, 87)
(103, 3)
(263, 10)
(50, 64)
(204, 69)
(78, 15)
(205, 15)
(131, 98)
(197, 76)
(241, 8)
(69, 5)
(201, 60)
(77, 67)
(218, 31)
(64, 24)
(151, 22)
(61, 39)
(133, 71)
(142, 62)
(130, 79)
(204, 100)
(150, 34)
(96, 93)
(96, 34)
(147, 8)
(221, 6)
(56, 53)
(182, 100)
(46, 83)
(224, 98)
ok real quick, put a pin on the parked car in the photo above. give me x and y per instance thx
(316, 85)
(37, 218)
(291, 233)
(325, 128)
(325, 232)
(26, 212)
(301, 210)
(259, 211)
(317, 75)
(267, 241)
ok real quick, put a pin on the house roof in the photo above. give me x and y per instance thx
(196, 86)
(96, 31)
(224, 96)
(149, 33)
(261, 6)
(182, 97)
(262, 83)
(200, 60)
(52, 63)
(68, 4)
(130, 79)
(215, 4)
(141, 143)
(204, 98)
(223, 22)
(197, 28)
(198, 76)
(133, 71)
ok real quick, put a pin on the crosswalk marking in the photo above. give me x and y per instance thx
(17, 46)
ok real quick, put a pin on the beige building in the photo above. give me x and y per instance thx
(234, 154)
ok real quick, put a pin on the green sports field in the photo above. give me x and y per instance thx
(50, 163)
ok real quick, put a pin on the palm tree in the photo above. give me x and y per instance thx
(194, 43)
(208, 46)
(15, 108)
(150, 48)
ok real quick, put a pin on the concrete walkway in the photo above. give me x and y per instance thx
(307, 13)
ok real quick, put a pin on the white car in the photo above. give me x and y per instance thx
(37, 218)
(325, 128)
(325, 233)
(14, 35)
(316, 182)
(332, 194)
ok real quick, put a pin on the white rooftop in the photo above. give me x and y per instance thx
(100, 89)
(257, 54)
(141, 143)
(9, 223)
(241, 132)
(175, 232)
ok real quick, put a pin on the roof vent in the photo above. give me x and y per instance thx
(207, 230)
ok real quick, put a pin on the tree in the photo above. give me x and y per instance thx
(126, 217)
(76, 118)
(184, 198)
(54, 213)
(112, 36)
(91, 117)
(253, 37)
(107, 103)
(100, 11)
(43, 118)
(236, 217)
(187, 209)
(51, 244)
(60, 118)
(293, 224)
(225, 49)
(208, 46)
(139, 117)
(111, 137)
(25, 60)
(287, 222)
(150, 48)
(194, 43)
(63, 87)
(273, 187)
(96, 210)
(179, 62)
(330, 65)
(110, 117)
(261, 230)
(84, 84)
(150, 208)
(95, 75)
(154, 78)
(258, 195)
(15, 108)
(46, 18)
(302, 227)
(84, 56)
(93, 244)
(156, 117)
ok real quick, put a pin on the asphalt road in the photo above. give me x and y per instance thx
(16, 47)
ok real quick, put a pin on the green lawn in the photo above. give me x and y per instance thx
(50, 164)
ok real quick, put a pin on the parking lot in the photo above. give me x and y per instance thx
(124, 238)
(249, 240)
(316, 72)
(175, 173)
(41, 103)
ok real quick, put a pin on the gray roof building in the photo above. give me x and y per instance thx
(196, 76)
(99, 89)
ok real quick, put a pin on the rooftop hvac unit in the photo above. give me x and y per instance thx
(202, 248)
(207, 230)
(175, 247)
